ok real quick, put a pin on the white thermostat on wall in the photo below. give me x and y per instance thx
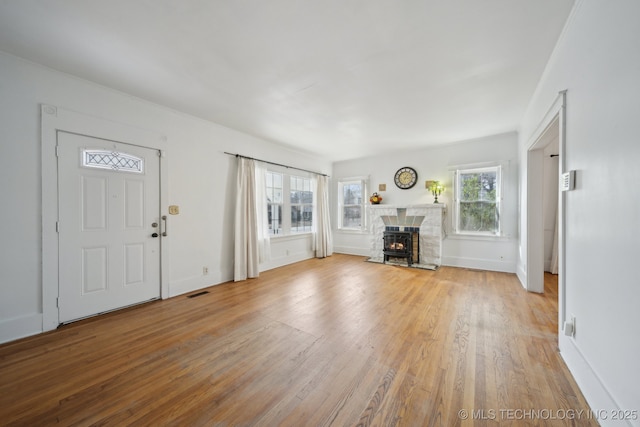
(568, 181)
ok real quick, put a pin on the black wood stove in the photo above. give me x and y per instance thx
(400, 244)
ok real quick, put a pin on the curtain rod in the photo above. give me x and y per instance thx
(276, 164)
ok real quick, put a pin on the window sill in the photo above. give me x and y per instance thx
(478, 237)
(351, 231)
(294, 236)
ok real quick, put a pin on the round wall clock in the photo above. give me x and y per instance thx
(406, 178)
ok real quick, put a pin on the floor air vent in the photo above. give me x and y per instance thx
(198, 294)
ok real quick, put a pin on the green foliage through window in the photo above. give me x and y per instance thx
(478, 209)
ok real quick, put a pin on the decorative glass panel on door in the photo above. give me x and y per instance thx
(112, 160)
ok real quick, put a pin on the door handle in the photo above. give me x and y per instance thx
(154, 235)
(164, 218)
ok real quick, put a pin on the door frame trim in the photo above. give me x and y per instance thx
(53, 120)
(535, 241)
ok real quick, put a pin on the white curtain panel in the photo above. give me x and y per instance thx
(323, 241)
(246, 252)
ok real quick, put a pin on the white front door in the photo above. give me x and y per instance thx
(109, 225)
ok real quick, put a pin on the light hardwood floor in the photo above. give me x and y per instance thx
(336, 341)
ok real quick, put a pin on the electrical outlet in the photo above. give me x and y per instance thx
(569, 327)
(205, 270)
(573, 322)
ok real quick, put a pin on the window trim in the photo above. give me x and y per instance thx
(364, 182)
(478, 168)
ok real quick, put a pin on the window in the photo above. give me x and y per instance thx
(274, 202)
(299, 203)
(351, 204)
(477, 201)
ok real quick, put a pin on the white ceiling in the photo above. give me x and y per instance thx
(338, 78)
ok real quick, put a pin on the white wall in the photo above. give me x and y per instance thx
(201, 182)
(435, 163)
(598, 61)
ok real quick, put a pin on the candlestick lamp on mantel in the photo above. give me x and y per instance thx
(435, 187)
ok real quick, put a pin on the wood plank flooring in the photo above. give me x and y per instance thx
(330, 342)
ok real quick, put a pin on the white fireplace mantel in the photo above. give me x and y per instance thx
(428, 217)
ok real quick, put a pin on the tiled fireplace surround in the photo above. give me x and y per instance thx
(430, 219)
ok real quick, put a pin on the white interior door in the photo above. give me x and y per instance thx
(109, 225)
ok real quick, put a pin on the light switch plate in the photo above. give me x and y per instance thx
(174, 210)
(568, 181)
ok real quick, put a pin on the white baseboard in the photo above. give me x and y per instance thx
(286, 260)
(522, 275)
(598, 397)
(477, 263)
(480, 264)
(201, 282)
(352, 250)
(194, 284)
(20, 327)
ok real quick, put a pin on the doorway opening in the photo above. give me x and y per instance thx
(545, 203)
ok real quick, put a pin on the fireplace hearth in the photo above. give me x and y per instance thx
(424, 222)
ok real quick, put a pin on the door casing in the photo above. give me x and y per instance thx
(53, 120)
